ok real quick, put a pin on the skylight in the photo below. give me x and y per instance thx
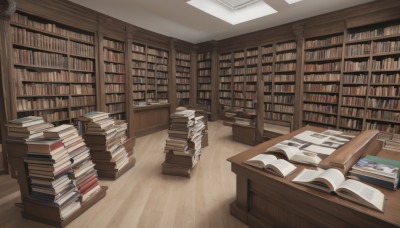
(234, 11)
(292, 1)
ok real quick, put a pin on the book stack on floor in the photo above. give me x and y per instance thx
(107, 141)
(25, 128)
(48, 165)
(244, 121)
(183, 147)
(376, 170)
(83, 174)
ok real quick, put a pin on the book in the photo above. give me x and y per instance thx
(60, 131)
(43, 145)
(333, 181)
(378, 171)
(26, 121)
(272, 164)
(293, 153)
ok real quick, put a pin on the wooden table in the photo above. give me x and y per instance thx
(151, 118)
(266, 200)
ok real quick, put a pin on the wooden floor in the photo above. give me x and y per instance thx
(143, 197)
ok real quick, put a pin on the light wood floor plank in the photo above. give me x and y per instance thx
(143, 197)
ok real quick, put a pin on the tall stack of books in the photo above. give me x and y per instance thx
(26, 128)
(107, 139)
(376, 170)
(204, 139)
(183, 147)
(48, 165)
(83, 174)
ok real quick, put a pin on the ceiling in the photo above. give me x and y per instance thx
(176, 18)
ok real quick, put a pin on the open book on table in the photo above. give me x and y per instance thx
(292, 153)
(272, 164)
(332, 180)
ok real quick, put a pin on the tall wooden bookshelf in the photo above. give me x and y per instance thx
(183, 78)
(238, 72)
(115, 77)
(204, 80)
(321, 80)
(378, 50)
(278, 71)
(251, 78)
(225, 81)
(150, 73)
(54, 68)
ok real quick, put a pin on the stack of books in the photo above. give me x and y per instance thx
(204, 139)
(25, 128)
(244, 121)
(48, 164)
(376, 170)
(83, 174)
(183, 147)
(390, 141)
(107, 139)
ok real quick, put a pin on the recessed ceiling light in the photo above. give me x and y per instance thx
(237, 4)
(292, 1)
(234, 11)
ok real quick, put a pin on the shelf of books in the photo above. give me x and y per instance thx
(238, 79)
(278, 70)
(183, 78)
(54, 69)
(150, 74)
(114, 71)
(251, 77)
(204, 80)
(321, 80)
(225, 81)
(376, 53)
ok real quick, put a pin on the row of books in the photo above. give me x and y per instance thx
(53, 76)
(113, 56)
(51, 27)
(325, 41)
(335, 52)
(107, 43)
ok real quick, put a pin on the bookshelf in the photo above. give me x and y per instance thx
(278, 71)
(321, 80)
(378, 48)
(114, 77)
(225, 81)
(183, 69)
(150, 73)
(54, 69)
(238, 72)
(204, 80)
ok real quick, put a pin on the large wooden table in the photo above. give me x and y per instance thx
(151, 118)
(266, 200)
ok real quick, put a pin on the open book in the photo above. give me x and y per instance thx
(270, 163)
(332, 180)
(293, 153)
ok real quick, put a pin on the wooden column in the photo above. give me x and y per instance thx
(260, 100)
(172, 77)
(298, 30)
(7, 108)
(193, 79)
(129, 81)
(214, 81)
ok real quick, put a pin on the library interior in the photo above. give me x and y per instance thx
(199, 113)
